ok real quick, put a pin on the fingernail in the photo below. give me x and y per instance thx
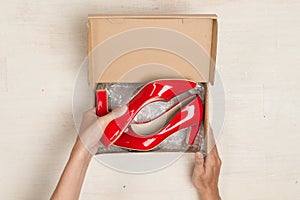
(120, 111)
(199, 155)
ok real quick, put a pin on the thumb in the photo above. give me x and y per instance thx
(117, 112)
(199, 159)
(199, 162)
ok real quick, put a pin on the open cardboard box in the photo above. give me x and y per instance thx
(116, 54)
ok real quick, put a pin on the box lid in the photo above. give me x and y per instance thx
(139, 48)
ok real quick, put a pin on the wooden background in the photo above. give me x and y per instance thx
(42, 44)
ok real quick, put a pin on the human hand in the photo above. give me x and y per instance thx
(206, 171)
(86, 145)
(92, 127)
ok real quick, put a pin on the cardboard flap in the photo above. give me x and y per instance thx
(135, 48)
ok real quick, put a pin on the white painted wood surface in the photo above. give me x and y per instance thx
(42, 44)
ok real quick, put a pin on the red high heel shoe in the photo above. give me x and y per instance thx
(187, 112)
(142, 137)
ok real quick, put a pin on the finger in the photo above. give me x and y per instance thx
(214, 149)
(117, 112)
(210, 142)
(212, 165)
(199, 162)
(212, 160)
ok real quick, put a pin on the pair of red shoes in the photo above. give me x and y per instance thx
(186, 110)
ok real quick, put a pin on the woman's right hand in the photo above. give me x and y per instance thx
(207, 170)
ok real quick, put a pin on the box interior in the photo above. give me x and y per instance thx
(153, 62)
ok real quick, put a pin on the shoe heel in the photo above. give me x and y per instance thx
(101, 103)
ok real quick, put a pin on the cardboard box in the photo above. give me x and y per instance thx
(114, 51)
